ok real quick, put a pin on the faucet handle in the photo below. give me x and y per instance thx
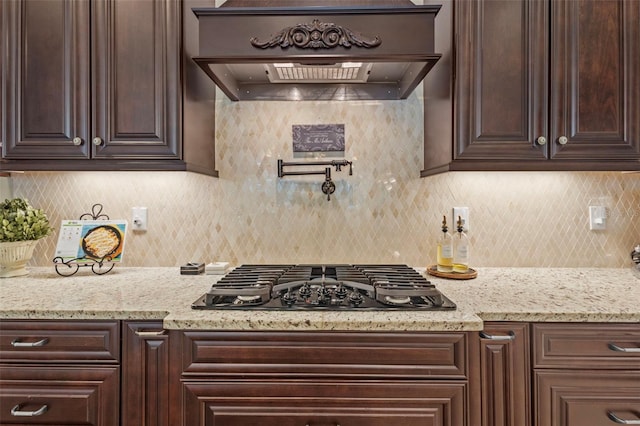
(328, 187)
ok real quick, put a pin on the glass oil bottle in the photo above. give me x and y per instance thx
(445, 249)
(460, 250)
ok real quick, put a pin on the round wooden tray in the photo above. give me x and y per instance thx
(433, 270)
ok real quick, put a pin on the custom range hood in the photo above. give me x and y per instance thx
(317, 52)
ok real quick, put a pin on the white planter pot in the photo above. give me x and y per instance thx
(14, 257)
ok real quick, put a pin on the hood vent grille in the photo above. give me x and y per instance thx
(348, 72)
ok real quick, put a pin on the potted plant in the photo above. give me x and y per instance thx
(21, 226)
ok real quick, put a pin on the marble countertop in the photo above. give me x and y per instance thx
(497, 294)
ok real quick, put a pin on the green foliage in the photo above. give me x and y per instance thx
(19, 221)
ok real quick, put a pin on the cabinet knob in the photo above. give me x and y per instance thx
(77, 141)
(562, 140)
(541, 140)
(97, 141)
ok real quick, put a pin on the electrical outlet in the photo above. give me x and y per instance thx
(597, 218)
(463, 212)
(139, 215)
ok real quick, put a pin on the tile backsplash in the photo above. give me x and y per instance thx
(383, 213)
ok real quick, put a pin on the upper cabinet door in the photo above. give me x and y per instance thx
(595, 79)
(46, 78)
(3, 64)
(136, 86)
(501, 92)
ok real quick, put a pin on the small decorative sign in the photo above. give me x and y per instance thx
(87, 241)
(318, 137)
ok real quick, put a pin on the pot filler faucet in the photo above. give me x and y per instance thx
(328, 187)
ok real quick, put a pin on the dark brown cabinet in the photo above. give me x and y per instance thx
(319, 378)
(92, 85)
(586, 374)
(344, 403)
(543, 85)
(59, 372)
(145, 374)
(501, 370)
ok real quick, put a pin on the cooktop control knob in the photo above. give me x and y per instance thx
(305, 290)
(341, 292)
(288, 298)
(355, 298)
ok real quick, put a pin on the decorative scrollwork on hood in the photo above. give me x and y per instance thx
(317, 35)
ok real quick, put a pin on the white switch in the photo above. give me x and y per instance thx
(597, 218)
(139, 218)
(463, 212)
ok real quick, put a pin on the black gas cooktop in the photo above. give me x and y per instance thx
(329, 287)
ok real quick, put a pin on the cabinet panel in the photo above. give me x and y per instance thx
(70, 395)
(505, 375)
(136, 90)
(540, 85)
(3, 27)
(325, 403)
(46, 80)
(145, 374)
(595, 83)
(59, 341)
(571, 346)
(579, 398)
(306, 354)
(501, 97)
(92, 80)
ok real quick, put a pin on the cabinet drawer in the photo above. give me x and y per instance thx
(59, 395)
(310, 354)
(579, 398)
(345, 403)
(59, 341)
(610, 346)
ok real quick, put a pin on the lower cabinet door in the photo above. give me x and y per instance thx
(326, 403)
(505, 375)
(145, 374)
(587, 398)
(59, 395)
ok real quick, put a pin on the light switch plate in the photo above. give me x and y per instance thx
(463, 212)
(597, 218)
(139, 218)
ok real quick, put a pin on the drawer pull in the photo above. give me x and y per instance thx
(150, 333)
(620, 421)
(15, 411)
(510, 336)
(617, 348)
(18, 344)
(309, 424)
